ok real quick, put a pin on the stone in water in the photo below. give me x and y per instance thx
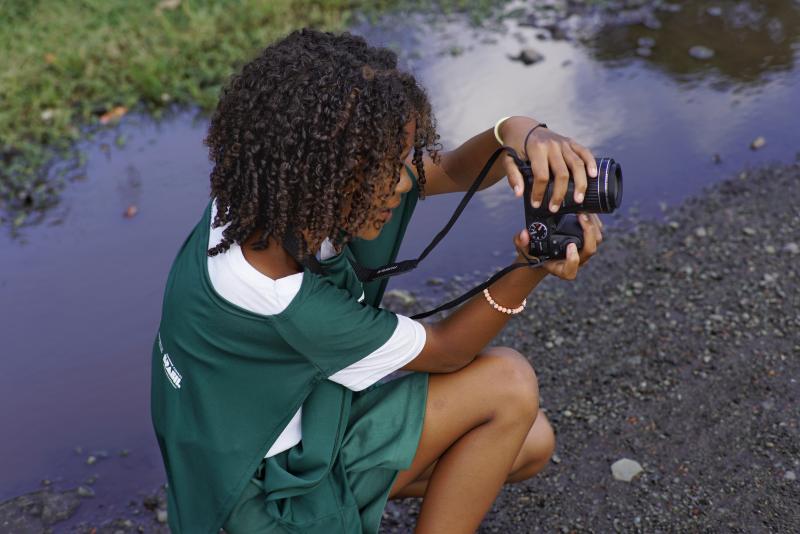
(701, 52)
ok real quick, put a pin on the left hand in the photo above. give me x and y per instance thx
(549, 153)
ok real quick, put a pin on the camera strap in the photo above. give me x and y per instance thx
(366, 274)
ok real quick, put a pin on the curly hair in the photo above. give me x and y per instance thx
(313, 124)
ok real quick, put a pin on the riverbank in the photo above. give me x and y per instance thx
(675, 348)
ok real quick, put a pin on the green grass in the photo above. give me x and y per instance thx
(66, 62)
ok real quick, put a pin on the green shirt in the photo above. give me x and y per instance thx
(226, 381)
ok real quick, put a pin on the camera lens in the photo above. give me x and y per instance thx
(604, 193)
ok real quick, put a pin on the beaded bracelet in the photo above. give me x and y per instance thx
(503, 309)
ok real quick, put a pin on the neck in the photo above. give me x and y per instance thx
(272, 261)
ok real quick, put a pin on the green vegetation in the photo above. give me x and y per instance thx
(71, 66)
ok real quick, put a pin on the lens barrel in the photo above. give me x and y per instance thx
(603, 193)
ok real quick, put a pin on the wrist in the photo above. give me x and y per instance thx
(515, 124)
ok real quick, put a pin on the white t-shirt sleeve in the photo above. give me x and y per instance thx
(404, 345)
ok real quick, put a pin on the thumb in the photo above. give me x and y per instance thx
(522, 240)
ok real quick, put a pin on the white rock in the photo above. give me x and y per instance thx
(161, 515)
(758, 142)
(625, 469)
(791, 248)
(701, 52)
(790, 475)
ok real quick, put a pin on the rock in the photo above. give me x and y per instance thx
(644, 52)
(757, 143)
(405, 298)
(791, 248)
(161, 515)
(435, 281)
(748, 231)
(625, 469)
(35, 512)
(714, 11)
(700, 232)
(91, 460)
(790, 475)
(84, 491)
(646, 42)
(701, 52)
(716, 158)
(529, 56)
(130, 211)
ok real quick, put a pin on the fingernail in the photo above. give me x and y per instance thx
(522, 234)
(584, 217)
(554, 207)
(578, 197)
(593, 172)
(517, 190)
(536, 203)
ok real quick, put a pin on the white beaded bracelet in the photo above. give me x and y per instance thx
(497, 129)
(503, 309)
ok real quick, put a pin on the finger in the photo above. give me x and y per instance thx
(598, 224)
(522, 240)
(561, 174)
(541, 175)
(589, 235)
(587, 157)
(572, 262)
(578, 171)
(515, 179)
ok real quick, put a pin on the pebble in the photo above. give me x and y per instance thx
(435, 281)
(161, 515)
(790, 475)
(791, 248)
(556, 459)
(625, 469)
(714, 11)
(701, 52)
(646, 42)
(716, 158)
(758, 142)
(529, 56)
(130, 212)
(644, 52)
(90, 460)
(748, 230)
(700, 232)
(84, 491)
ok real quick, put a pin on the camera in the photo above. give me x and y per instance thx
(551, 233)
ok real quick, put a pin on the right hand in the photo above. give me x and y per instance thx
(567, 268)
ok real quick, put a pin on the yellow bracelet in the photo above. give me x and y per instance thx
(497, 129)
(503, 309)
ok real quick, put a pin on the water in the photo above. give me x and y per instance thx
(81, 293)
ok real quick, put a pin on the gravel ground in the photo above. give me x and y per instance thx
(676, 347)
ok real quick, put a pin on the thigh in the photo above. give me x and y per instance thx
(460, 401)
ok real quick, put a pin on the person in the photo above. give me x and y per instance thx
(267, 394)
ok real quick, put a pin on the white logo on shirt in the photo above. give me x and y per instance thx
(361, 298)
(169, 368)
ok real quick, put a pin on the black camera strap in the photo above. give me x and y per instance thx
(366, 274)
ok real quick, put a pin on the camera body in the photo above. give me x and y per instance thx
(551, 233)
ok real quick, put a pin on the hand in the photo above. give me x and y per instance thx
(567, 268)
(549, 153)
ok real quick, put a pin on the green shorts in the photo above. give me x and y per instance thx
(380, 439)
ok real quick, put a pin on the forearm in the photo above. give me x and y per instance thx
(467, 331)
(464, 163)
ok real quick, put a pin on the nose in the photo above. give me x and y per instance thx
(404, 185)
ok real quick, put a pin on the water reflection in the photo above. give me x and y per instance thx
(752, 41)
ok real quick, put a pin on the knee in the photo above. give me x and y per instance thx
(514, 383)
(537, 450)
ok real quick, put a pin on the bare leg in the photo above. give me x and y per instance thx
(536, 451)
(476, 422)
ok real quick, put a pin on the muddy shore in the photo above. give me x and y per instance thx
(676, 347)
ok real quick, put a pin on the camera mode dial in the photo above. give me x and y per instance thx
(538, 231)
